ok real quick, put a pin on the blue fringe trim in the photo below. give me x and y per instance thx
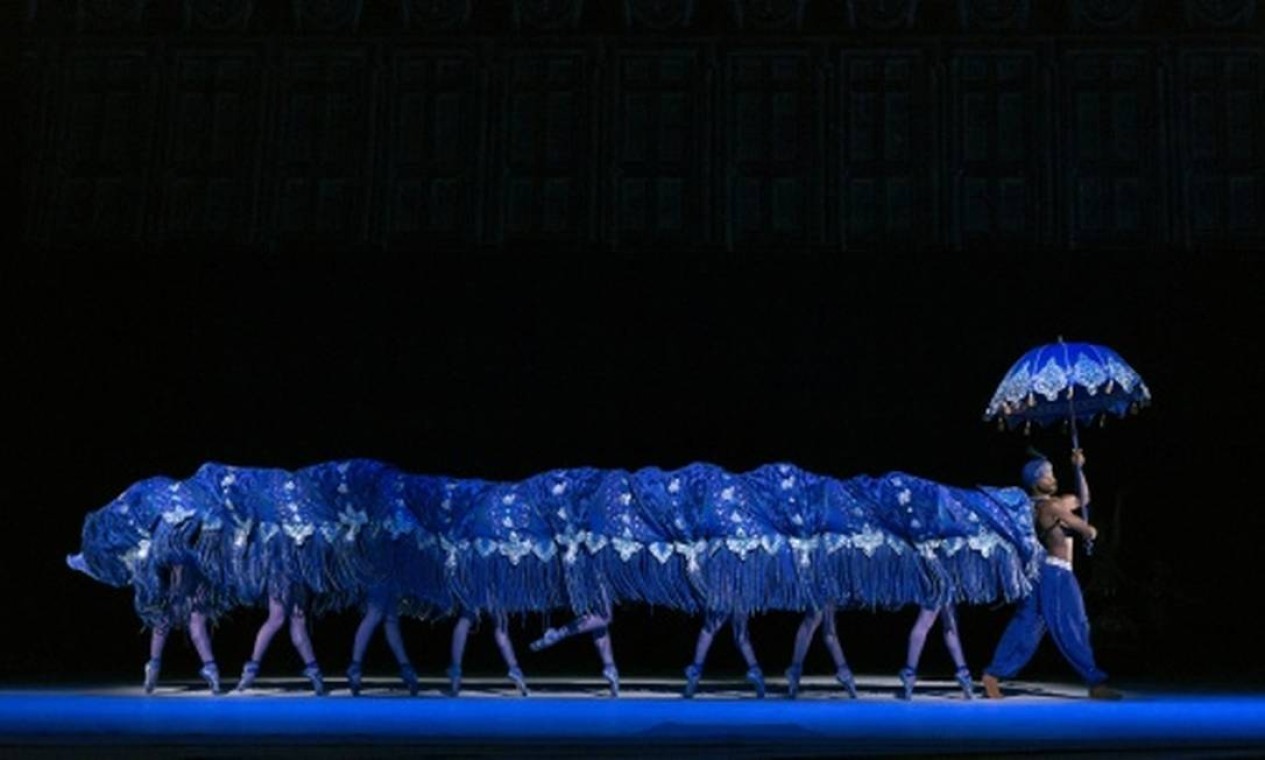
(492, 584)
(644, 580)
(755, 583)
(886, 579)
(418, 579)
(587, 589)
(973, 578)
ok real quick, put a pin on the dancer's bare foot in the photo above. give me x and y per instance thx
(992, 687)
(1105, 692)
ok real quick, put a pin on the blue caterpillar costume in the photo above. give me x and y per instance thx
(699, 538)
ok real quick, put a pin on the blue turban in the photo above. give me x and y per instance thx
(1032, 470)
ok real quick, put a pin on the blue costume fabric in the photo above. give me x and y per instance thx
(968, 548)
(613, 562)
(288, 541)
(1055, 605)
(668, 564)
(117, 537)
(413, 544)
(696, 538)
(744, 568)
(576, 505)
(786, 494)
(858, 561)
(160, 537)
(502, 553)
(353, 546)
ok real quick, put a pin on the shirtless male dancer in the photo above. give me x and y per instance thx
(1055, 603)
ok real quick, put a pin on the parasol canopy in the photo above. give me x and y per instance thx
(1079, 382)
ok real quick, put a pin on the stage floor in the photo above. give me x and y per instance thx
(575, 717)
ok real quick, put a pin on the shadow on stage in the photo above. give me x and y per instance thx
(578, 718)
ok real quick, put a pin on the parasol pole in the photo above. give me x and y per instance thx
(1076, 442)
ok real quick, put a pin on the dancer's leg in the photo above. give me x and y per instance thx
(742, 639)
(1020, 639)
(503, 641)
(395, 640)
(605, 647)
(707, 634)
(592, 622)
(918, 636)
(157, 642)
(830, 635)
(1018, 643)
(599, 626)
(952, 641)
(300, 637)
(506, 645)
(364, 632)
(368, 624)
(276, 618)
(1063, 608)
(917, 639)
(201, 637)
(803, 637)
(586, 623)
(302, 641)
(460, 633)
(712, 622)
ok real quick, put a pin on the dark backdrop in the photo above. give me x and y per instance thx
(770, 309)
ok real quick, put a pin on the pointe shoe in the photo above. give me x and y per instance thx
(907, 680)
(792, 681)
(845, 679)
(552, 636)
(515, 674)
(611, 674)
(454, 680)
(250, 671)
(693, 674)
(409, 676)
(210, 673)
(1103, 691)
(313, 673)
(992, 687)
(355, 676)
(964, 680)
(756, 677)
(151, 675)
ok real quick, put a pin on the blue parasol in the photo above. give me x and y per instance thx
(1078, 382)
(1072, 382)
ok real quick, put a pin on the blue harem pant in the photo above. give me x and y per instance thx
(1054, 604)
